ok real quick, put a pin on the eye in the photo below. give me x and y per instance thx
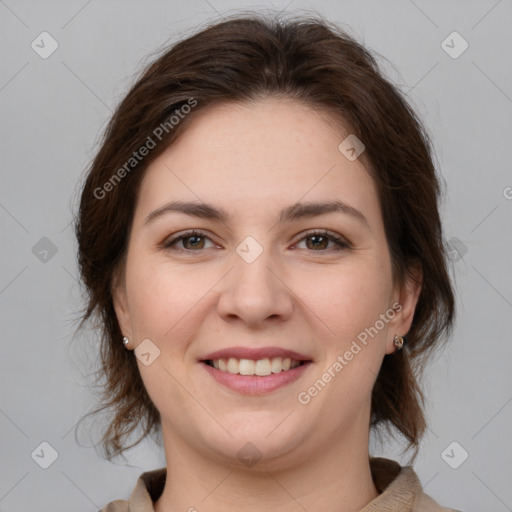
(316, 241)
(191, 241)
(319, 241)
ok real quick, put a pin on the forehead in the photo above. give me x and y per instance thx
(250, 157)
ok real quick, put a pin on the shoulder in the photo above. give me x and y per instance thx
(422, 502)
(116, 506)
(425, 503)
(400, 489)
(147, 490)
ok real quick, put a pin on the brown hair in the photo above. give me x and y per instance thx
(241, 59)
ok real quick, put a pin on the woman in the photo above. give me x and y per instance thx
(259, 235)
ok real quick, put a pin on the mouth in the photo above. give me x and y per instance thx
(259, 367)
(255, 371)
(255, 377)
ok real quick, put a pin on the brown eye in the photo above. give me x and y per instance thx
(193, 242)
(317, 242)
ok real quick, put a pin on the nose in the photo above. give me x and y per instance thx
(255, 294)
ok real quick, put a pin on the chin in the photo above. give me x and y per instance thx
(259, 445)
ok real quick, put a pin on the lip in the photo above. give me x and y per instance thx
(255, 354)
(254, 384)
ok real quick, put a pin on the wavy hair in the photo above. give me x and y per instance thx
(241, 59)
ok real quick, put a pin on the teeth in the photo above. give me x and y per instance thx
(261, 367)
(276, 365)
(245, 367)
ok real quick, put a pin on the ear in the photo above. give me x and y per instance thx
(406, 298)
(120, 300)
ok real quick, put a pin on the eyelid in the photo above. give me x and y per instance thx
(341, 242)
(173, 239)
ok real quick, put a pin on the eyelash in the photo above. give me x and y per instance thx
(339, 241)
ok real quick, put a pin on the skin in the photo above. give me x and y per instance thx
(253, 160)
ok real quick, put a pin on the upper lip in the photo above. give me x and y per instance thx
(255, 354)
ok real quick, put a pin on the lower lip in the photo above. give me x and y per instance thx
(254, 384)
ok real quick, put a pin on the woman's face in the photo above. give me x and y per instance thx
(267, 276)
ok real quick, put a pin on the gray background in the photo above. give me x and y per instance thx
(53, 112)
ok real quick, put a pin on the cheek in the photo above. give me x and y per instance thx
(163, 302)
(346, 299)
(351, 304)
(163, 296)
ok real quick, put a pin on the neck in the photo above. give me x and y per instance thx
(338, 478)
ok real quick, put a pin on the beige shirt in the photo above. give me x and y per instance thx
(399, 490)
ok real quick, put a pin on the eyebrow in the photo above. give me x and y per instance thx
(294, 212)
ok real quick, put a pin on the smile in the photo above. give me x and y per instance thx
(260, 367)
(251, 383)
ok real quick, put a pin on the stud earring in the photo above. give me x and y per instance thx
(398, 341)
(125, 341)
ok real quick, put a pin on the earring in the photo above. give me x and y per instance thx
(125, 341)
(398, 342)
